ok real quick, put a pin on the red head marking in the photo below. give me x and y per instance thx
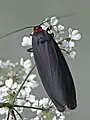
(38, 29)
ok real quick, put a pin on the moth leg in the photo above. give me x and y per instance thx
(59, 42)
(48, 30)
(65, 51)
(30, 50)
(52, 34)
(31, 34)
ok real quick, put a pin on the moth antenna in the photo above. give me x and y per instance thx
(28, 27)
(16, 31)
(62, 16)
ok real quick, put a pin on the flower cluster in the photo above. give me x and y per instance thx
(13, 77)
(51, 112)
(66, 44)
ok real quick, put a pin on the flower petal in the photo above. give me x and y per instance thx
(62, 117)
(38, 112)
(27, 64)
(28, 89)
(76, 37)
(27, 41)
(54, 118)
(31, 98)
(27, 104)
(32, 76)
(53, 21)
(35, 104)
(45, 25)
(14, 86)
(70, 30)
(55, 28)
(58, 113)
(31, 55)
(71, 44)
(75, 32)
(21, 61)
(26, 38)
(43, 101)
(60, 27)
(9, 82)
(64, 43)
(72, 54)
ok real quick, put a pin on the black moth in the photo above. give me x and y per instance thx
(53, 69)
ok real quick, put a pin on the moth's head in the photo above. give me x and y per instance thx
(37, 29)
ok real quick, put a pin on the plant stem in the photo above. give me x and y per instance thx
(6, 105)
(18, 113)
(8, 115)
(23, 84)
(13, 114)
(43, 109)
(68, 39)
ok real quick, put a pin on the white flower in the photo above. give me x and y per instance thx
(26, 41)
(39, 112)
(25, 118)
(1, 81)
(26, 64)
(64, 43)
(57, 37)
(9, 82)
(23, 93)
(67, 45)
(20, 109)
(31, 54)
(27, 91)
(55, 28)
(4, 64)
(44, 102)
(45, 24)
(53, 21)
(3, 110)
(74, 34)
(72, 54)
(3, 95)
(27, 104)
(35, 104)
(14, 86)
(31, 77)
(32, 84)
(58, 113)
(5, 118)
(71, 44)
(62, 117)
(1, 64)
(31, 98)
(54, 118)
(20, 101)
(3, 89)
(60, 27)
(21, 62)
(36, 118)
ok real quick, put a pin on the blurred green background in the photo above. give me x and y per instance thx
(15, 14)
